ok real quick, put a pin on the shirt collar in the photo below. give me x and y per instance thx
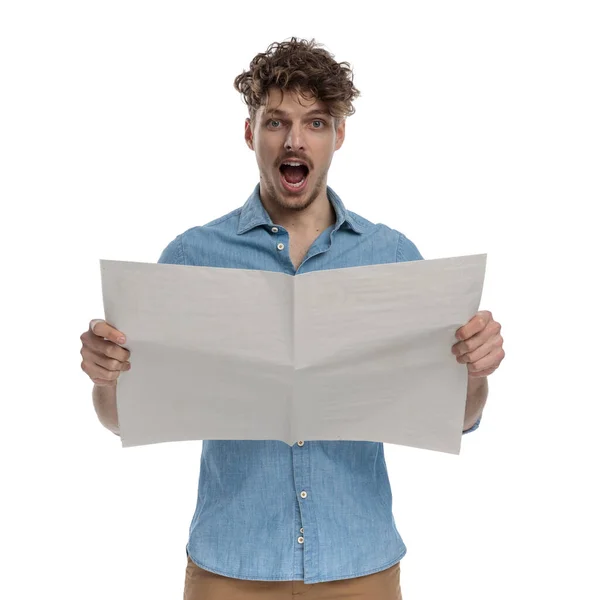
(253, 213)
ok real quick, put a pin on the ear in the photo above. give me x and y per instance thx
(248, 136)
(340, 134)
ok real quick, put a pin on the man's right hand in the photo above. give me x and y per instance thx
(103, 357)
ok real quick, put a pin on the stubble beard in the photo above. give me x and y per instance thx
(282, 202)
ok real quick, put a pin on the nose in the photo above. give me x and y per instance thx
(294, 140)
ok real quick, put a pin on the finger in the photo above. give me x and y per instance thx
(492, 329)
(111, 364)
(487, 346)
(478, 374)
(475, 325)
(96, 371)
(489, 361)
(102, 329)
(103, 347)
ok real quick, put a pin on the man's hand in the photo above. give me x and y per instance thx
(480, 347)
(103, 358)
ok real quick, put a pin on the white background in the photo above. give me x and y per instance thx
(479, 125)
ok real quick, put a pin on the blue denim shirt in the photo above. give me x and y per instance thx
(319, 510)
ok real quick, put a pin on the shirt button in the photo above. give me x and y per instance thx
(300, 443)
(301, 529)
(303, 494)
(301, 540)
(274, 229)
(280, 246)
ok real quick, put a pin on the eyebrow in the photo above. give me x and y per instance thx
(282, 113)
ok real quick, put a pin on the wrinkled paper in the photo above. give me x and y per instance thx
(358, 353)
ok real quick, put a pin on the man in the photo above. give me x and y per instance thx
(273, 521)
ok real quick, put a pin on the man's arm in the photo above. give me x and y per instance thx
(104, 359)
(105, 404)
(481, 349)
(477, 393)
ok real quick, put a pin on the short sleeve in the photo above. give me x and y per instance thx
(407, 250)
(173, 253)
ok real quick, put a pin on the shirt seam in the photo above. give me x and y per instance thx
(399, 254)
(236, 213)
(181, 251)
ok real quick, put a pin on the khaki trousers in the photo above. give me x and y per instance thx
(204, 585)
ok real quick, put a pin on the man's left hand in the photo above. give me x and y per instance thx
(480, 345)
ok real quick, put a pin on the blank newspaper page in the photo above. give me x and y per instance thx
(359, 353)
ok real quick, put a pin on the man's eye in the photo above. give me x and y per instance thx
(317, 121)
(273, 121)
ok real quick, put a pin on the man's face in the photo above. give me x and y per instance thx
(285, 130)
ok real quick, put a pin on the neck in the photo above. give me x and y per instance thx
(315, 218)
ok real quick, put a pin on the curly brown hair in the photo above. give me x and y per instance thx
(299, 66)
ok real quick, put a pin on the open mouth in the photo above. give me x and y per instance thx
(293, 175)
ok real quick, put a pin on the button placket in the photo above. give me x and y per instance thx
(307, 556)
